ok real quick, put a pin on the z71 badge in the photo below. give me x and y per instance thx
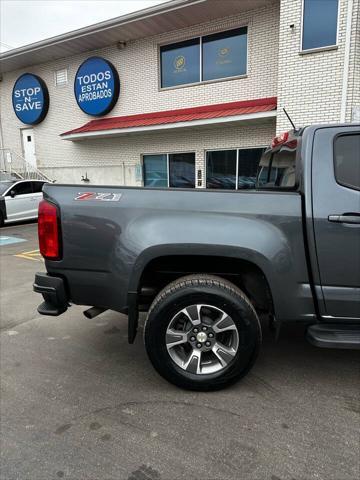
(101, 197)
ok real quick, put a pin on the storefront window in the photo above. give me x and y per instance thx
(232, 169)
(175, 170)
(155, 171)
(248, 159)
(224, 54)
(221, 169)
(180, 63)
(182, 170)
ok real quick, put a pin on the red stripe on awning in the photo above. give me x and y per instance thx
(181, 115)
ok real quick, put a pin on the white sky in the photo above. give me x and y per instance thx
(27, 21)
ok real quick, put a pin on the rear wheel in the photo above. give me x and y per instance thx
(202, 333)
(1, 220)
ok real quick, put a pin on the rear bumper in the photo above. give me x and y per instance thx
(54, 293)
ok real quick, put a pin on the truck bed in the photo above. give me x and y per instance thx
(110, 234)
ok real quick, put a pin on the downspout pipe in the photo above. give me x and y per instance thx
(346, 61)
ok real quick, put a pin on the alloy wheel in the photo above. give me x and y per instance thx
(202, 339)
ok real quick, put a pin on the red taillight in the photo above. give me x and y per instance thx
(48, 229)
(280, 139)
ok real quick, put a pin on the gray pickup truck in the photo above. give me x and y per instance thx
(205, 264)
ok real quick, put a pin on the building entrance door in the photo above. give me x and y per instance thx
(28, 143)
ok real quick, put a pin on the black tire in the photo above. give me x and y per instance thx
(1, 220)
(208, 290)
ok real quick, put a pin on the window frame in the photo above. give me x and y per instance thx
(344, 134)
(335, 46)
(237, 149)
(168, 168)
(200, 37)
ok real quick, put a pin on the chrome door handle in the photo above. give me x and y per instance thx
(345, 218)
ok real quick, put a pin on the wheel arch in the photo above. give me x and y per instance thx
(241, 266)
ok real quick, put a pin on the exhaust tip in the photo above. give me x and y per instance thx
(94, 312)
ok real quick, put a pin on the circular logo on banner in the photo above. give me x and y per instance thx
(223, 51)
(30, 99)
(179, 62)
(96, 86)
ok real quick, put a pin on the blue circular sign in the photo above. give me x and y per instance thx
(30, 99)
(96, 86)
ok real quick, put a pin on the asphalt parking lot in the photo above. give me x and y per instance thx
(78, 402)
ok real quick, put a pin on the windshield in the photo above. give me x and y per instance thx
(4, 186)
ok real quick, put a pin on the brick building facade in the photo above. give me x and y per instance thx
(316, 85)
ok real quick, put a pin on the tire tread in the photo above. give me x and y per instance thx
(197, 280)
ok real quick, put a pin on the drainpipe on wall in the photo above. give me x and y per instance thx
(123, 172)
(2, 147)
(346, 61)
(1, 136)
(2, 140)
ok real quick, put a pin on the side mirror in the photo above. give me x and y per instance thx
(12, 193)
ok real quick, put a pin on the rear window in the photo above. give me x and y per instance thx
(4, 186)
(277, 169)
(347, 160)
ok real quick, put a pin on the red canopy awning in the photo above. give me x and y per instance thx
(248, 109)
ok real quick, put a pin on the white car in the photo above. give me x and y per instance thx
(19, 200)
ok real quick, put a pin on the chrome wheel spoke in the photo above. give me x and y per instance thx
(224, 324)
(223, 354)
(175, 337)
(208, 344)
(193, 363)
(193, 314)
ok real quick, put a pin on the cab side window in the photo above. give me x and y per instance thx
(347, 160)
(21, 189)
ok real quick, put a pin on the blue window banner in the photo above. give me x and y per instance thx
(224, 54)
(180, 63)
(320, 19)
(96, 86)
(155, 171)
(30, 99)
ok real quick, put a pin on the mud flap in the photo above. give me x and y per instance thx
(133, 316)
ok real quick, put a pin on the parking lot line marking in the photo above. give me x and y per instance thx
(5, 240)
(31, 255)
(32, 252)
(27, 258)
